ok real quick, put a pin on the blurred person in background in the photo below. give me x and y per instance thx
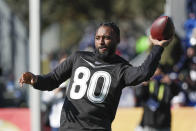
(87, 41)
(96, 80)
(186, 73)
(188, 76)
(189, 25)
(155, 97)
(174, 53)
(191, 8)
(10, 96)
(53, 101)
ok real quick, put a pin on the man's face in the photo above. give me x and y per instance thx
(106, 41)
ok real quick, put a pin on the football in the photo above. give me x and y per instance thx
(162, 28)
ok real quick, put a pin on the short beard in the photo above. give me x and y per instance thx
(107, 54)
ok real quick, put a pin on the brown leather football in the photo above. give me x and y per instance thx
(162, 28)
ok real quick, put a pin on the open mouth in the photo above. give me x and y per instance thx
(103, 49)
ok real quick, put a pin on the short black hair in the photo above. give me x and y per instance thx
(113, 26)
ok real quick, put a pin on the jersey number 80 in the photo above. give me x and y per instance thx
(90, 89)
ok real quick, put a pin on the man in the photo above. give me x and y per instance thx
(96, 81)
(155, 97)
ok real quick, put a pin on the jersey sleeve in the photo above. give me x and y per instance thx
(60, 74)
(135, 75)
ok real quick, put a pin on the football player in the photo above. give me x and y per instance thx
(96, 81)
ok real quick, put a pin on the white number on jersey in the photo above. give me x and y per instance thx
(81, 77)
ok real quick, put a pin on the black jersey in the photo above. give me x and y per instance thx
(95, 87)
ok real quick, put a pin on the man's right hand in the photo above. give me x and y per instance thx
(162, 43)
(28, 78)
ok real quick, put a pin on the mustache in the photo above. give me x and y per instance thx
(103, 46)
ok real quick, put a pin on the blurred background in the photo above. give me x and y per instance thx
(69, 25)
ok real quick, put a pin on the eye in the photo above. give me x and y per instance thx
(108, 37)
(97, 37)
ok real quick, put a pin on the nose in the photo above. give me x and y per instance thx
(102, 41)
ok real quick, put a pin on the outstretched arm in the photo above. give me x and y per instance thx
(136, 75)
(51, 80)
